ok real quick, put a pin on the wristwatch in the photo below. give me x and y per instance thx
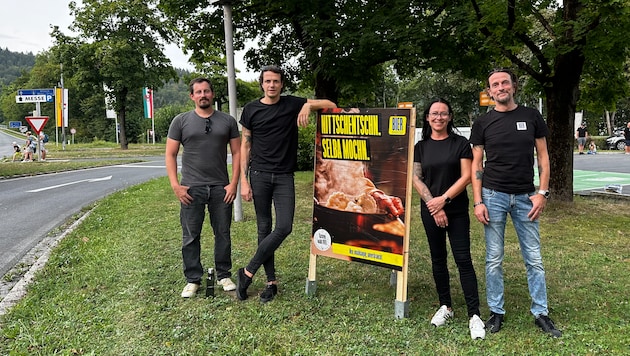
(447, 200)
(545, 193)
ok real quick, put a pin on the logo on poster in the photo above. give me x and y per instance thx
(322, 240)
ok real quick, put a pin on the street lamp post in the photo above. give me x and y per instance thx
(229, 55)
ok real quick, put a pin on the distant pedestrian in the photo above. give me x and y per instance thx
(16, 151)
(29, 147)
(626, 135)
(581, 134)
(43, 139)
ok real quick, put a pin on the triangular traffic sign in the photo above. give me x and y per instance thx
(37, 122)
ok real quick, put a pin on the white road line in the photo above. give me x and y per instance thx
(69, 183)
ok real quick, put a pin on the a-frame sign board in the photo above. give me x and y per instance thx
(362, 191)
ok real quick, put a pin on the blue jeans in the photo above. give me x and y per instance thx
(279, 189)
(517, 205)
(192, 217)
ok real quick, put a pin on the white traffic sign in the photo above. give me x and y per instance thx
(33, 98)
(37, 122)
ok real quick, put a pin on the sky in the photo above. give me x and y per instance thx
(25, 26)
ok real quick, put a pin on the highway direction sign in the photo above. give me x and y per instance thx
(35, 96)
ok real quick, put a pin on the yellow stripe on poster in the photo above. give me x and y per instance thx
(367, 254)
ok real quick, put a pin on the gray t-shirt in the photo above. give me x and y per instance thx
(204, 160)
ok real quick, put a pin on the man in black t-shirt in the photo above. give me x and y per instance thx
(505, 185)
(626, 134)
(269, 159)
(581, 135)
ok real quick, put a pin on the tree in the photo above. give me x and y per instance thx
(335, 47)
(339, 47)
(549, 44)
(123, 47)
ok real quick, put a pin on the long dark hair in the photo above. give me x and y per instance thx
(426, 128)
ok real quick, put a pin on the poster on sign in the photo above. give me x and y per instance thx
(362, 186)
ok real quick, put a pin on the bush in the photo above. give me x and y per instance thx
(306, 148)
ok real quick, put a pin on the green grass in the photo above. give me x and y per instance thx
(79, 156)
(112, 287)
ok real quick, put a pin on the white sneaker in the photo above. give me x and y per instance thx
(441, 316)
(227, 284)
(477, 328)
(190, 290)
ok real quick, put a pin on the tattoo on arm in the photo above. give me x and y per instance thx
(425, 194)
(479, 175)
(248, 138)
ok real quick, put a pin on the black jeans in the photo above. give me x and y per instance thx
(192, 218)
(279, 189)
(459, 236)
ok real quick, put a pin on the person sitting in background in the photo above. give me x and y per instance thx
(592, 148)
(16, 151)
(29, 148)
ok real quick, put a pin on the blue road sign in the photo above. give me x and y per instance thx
(36, 92)
(15, 124)
(35, 95)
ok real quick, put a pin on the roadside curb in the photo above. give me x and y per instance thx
(18, 291)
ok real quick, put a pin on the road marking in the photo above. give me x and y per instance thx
(91, 180)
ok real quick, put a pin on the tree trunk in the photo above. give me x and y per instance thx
(562, 96)
(123, 114)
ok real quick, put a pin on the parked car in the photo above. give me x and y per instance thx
(616, 141)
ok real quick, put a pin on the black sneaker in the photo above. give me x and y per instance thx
(270, 291)
(242, 283)
(495, 322)
(546, 324)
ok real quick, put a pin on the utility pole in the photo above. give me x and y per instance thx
(63, 119)
(229, 54)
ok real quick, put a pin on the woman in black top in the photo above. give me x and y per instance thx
(442, 166)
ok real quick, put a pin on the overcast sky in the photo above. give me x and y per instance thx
(25, 26)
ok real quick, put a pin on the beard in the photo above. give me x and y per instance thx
(204, 104)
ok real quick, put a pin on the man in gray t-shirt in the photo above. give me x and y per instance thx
(205, 135)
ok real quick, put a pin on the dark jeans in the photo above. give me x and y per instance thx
(279, 189)
(192, 217)
(459, 236)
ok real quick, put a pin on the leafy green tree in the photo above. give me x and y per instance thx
(122, 45)
(551, 45)
(335, 47)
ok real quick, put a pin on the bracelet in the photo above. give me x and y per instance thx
(477, 204)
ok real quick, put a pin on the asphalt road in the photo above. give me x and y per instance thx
(6, 146)
(31, 207)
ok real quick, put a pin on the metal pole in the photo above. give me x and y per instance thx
(63, 121)
(229, 54)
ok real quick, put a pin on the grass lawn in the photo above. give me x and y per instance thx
(112, 287)
(79, 156)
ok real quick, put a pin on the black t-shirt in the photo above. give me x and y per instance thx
(441, 167)
(274, 134)
(626, 133)
(509, 139)
(581, 131)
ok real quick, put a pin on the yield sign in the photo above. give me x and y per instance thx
(37, 122)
